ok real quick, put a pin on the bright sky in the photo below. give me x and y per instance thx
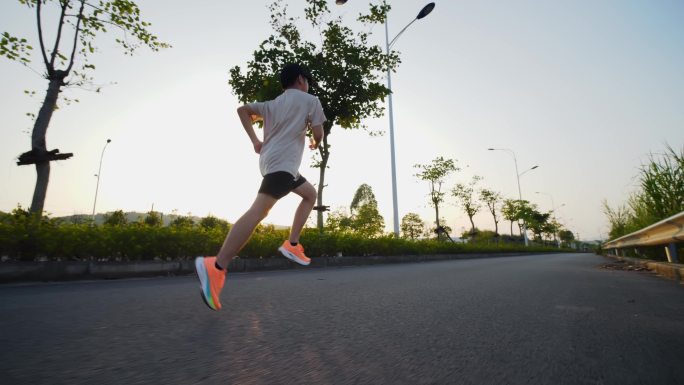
(585, 89)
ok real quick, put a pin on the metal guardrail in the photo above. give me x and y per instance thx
(666, 232)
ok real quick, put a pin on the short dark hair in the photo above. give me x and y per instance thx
(290, 73)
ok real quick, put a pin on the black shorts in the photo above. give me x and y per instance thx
(280, 183)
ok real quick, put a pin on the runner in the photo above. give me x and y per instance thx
(286, 121)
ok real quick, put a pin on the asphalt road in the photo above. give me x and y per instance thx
(544, 319)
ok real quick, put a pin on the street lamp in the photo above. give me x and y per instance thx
(517, 175)
(553, 206)
(388, 45)
(99, 172)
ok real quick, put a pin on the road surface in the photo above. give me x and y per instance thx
(538, 319)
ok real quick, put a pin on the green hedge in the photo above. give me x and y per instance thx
(25, 238)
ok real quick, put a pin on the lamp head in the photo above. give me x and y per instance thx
(425, 11)
(109, 140)
(534, 167)
(340, 2)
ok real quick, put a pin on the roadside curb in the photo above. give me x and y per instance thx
(69, 271)
(669, 270)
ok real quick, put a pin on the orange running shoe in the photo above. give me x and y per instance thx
(211, 281)
(294, 253)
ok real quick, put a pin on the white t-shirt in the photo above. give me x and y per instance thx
(286, 119)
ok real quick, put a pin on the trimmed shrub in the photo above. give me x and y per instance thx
(24, 237)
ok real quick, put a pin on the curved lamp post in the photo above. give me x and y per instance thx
(517, 176)
(99, 172)
(553, 205)
(388, 45)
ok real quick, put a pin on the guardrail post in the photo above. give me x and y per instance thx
(671, 251)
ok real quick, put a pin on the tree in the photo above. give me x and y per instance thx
(412, 226)
(527, 212)
(211, 222)
(81, 219)
(363, 196)
(367, 221)
(117, 218)
(465, 195)
(491, 199)
(566, 236)
(87, 21)
(440, 229)
(153, 219)
(183, 221)
(509, 211)
(339, 222)
(535, 220)
(515, 210)
(552, 227)
(365, 216)
(435, 173)
(348, 70)
(364, 219)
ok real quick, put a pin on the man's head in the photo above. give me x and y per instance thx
(295, 76)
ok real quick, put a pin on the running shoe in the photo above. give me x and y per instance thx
(294, 253)
(211, 281)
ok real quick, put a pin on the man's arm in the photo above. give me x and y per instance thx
(246, 113)
(317, 132)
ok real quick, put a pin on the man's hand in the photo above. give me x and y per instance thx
(246, 115)
(316, 136)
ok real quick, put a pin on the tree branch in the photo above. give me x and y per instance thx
(59, 33)
(78, 27)
(101, 10)
(101, 21)
(97, 8)
(40, 38)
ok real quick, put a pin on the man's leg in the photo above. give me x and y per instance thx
(242, 229)
(308, 194)
(296, 252)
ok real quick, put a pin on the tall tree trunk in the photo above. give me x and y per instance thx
(325, 154)
(40, 191)
(511, 228)
(439, 232)
(38, 143)
(472, 225)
